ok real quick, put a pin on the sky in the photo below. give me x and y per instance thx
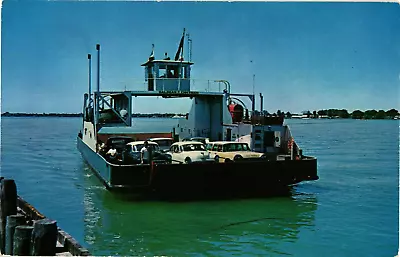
(304, 56)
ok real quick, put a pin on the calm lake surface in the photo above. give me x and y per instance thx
(352, 210)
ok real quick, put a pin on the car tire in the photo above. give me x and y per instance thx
(216, 158)
(228, 160)
(188, 160)
(237, 157)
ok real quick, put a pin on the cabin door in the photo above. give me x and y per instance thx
(269, 139)
(228, 134)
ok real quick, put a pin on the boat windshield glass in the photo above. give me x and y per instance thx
(193, 147)
(236, 147)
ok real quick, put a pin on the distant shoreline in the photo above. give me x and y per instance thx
(18, 114)
(321, 114)
(135, 115)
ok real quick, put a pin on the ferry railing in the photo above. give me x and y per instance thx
(256, 118)
(174, 84)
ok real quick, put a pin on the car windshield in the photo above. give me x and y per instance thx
(163, 142)
(118, 141)
(154, 147)
(201, 140)
(139, 147)
(193, 147)
(236, 147)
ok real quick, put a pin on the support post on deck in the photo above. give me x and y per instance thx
(44, 238)
(8, 206)
(22, 241)
(12, 222)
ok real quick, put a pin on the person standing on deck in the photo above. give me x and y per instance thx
(145, 153)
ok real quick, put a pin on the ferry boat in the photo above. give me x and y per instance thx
(216, 114)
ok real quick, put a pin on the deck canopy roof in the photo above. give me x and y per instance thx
(166, 62)
(163, 93)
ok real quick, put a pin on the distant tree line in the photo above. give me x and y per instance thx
(330, 113)
(339, 113)
(157, 115)
(144, 115)
(21, 114)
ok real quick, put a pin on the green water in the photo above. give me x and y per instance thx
(352, 210)
(236, 227)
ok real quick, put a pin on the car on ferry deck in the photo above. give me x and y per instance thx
(204, 140)
(163, 142)
(133, 154)
(188, 152)
(225, 151)
(114, 142)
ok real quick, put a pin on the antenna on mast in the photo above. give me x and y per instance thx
(189, 47)
(254, 76)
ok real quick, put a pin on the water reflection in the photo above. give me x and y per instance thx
(117, 226)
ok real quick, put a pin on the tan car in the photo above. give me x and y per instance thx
(226, 151)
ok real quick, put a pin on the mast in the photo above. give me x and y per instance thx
(189, 47)
(97, 94)
(179, 53)
(90, 77)
(183, 42)
(98, 67)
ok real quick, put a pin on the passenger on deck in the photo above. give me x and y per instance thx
(123, 113)
(101, 147)
(145, 153)
(112, 153)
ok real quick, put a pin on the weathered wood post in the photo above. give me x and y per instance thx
(44, 238)
(22, 240)
(8, 206)
(12, 222)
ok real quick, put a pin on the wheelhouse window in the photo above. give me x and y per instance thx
(169, 71)
(185, 72)
(148, 72)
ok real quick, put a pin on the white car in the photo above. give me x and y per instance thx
(188, 152)
(163, 142)
(134, 155)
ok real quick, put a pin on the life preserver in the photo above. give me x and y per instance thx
(290, 143)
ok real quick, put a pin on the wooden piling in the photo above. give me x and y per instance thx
(12, 222)
(44, 238)
(22, 240)
(8, 206)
